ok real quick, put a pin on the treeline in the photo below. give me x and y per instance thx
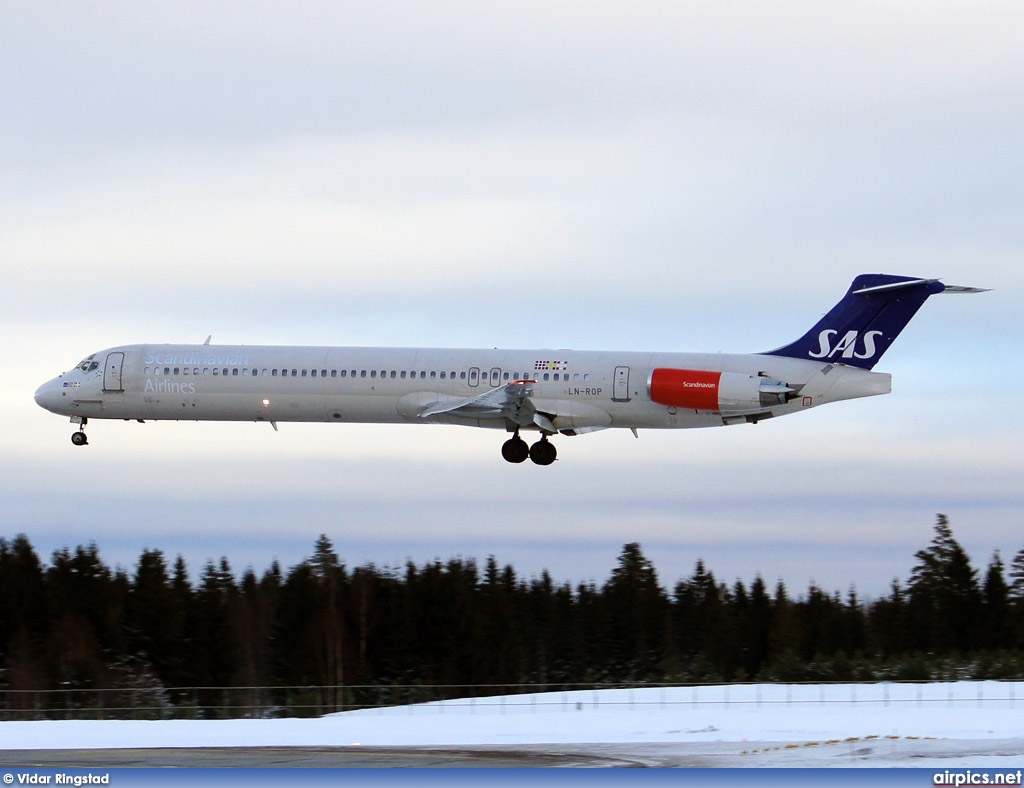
(77, 624)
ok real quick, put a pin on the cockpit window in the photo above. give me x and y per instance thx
(88, 364)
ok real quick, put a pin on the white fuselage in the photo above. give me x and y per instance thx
(579, 391)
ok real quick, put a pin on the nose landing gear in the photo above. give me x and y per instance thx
(542, 452)
(79, 438)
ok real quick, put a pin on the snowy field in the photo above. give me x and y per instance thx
(947, 725)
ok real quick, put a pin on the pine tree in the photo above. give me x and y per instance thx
(1015, 594)
(153, 620)
(704, 634)
(214, 652)
(295, 641)
(945, 600)
(500, 626)
(85, 606)
(329, 625)
(996, 617)
(887, 629)
(758, 628)
(1016, 590)
(635, 605)
(23, 618)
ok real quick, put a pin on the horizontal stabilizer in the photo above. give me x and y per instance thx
(961, 289)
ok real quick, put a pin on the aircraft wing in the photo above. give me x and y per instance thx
(513, 401)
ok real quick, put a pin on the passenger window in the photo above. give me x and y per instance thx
(462, 375)
(442, 375)
(586, 376)
(394, 374)
(504, 376)
(373, 373)
(546, 375)
(433, 374)
(234, 372)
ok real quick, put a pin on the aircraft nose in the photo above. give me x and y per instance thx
(48, 395)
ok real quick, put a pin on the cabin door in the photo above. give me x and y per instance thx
(112, 372)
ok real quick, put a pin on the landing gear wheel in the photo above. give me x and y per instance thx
(79, 438)
(515, 450)
(543, 452)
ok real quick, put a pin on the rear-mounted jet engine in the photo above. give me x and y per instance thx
(720, 392)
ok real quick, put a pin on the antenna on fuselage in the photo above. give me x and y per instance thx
(207, 342)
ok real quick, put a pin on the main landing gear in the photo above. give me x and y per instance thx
(515, 449)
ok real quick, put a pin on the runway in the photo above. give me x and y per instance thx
(882, 752)
(305, 757)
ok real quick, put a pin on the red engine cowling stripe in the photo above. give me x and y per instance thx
(694, 389)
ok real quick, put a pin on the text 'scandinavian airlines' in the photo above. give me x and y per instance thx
(546, 391)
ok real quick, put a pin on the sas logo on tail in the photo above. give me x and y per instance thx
(847, 346)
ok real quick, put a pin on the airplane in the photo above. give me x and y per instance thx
(553, 392)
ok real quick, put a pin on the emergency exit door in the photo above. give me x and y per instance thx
(620, 385)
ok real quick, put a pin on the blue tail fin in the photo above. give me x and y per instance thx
(859, 329)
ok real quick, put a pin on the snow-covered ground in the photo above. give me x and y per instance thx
(948, 725)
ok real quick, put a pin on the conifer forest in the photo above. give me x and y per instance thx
(357, 635)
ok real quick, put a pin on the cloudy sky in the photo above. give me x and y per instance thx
(651, 176)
